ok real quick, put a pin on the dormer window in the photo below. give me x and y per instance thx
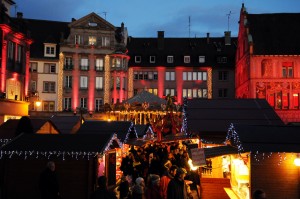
(187, 59)
(152, 59)
(137, 59)
(50, 50)
(170, 59)
(78, 39)
(201, 59)
(105, 41)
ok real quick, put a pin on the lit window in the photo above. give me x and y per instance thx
(83, 82)
(287, 69)
(48, 105)
(170, 76)
(99, 82)
(92, 40)
(99, 64)
(170, 59)
(84, 64)
(201, 59)
(105, 41)
(187, 59)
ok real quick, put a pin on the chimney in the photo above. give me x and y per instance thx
(227, 38)
(207, 38)
(73, 19)
(19, 15)
(160, 39)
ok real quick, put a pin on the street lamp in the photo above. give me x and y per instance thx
(297, 160)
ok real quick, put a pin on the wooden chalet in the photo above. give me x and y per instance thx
(76, 157)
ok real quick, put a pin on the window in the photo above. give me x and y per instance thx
(296, 100)
(48, 105)
(223, 75)
(83, 82)
(83, 102)
(194, 93)
(152, 59)
(195, 76)
(170, 91)
(137, 59)
(49, 87)
(33, 67)
(118, 83)
(84, 64)
(116, 62)
(98, 103)
(153, 91)
(105, 41)
(223, 93)
(92, 40)
(78, 39)
(99, 82)
(155, 76)
(68, 63)
(170, 76)
(19, 53)
(145, 75)
(33, 86)
(99, 64)
(67, 104)
(68, 81)
(187, 59)
(50, 50)
(10, 50)
(222, 60)
(204, 76)
(141, 75)
(287, 70)
(170, 59)
(201, 59)
(136, 76)
(49, 68)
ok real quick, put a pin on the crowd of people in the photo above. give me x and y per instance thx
(158, 170)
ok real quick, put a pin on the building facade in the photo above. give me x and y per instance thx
(93, 65)
(14, 68)
(268, 61)
(183, 67)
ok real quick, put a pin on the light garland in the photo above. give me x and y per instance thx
(130, 83)
(184, 127)
(107, 80)
(60, 82)
(114, 138)
(233, 135)
(209, 83)
(131, 128)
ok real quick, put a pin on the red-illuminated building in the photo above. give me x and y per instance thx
(93, 65)
(268, 61)
(14, 64)
(182, 67)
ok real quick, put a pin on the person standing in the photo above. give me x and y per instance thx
(165, 179)
(177, 189)
(102, 192)
(48, 183)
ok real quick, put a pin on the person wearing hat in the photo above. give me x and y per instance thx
(153, 190)
(177, 189)
(138, 190)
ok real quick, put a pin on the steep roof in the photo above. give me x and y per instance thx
(265, 138)
(180, 47)
(275, 34)
(103, 127)
(212, 117)
(65, 124)
(145, 96)
(47, 145)
(45, 31)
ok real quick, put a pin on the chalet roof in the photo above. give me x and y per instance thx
(180, 47)
(219, 151)
(103, 127)
(212, 117)
(45, 31)
(65, 124)
(265, 138)
(44, 145)
(275, 34)
(145, 96)
(141, 129)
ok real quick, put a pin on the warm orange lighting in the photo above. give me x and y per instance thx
(297, 161)
(38, 103)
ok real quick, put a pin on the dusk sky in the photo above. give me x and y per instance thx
(144, 18)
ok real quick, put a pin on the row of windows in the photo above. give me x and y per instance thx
(170, 59)
(83, 103)
(282, 100)
(11, 49)
(103, 41)
(116, 62)
(48, 67)
(170, 76)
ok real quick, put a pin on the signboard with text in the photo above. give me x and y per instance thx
(198, 157)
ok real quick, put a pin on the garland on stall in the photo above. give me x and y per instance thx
(184, 118)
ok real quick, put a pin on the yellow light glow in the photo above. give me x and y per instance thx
(130, 83)
(297, 161)
(38, 103)
(209, 83)
(107, 79)
(190, 162)
(60, 82)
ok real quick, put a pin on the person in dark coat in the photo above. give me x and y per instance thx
(48, 183)
(177, 189)
(102, 192)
